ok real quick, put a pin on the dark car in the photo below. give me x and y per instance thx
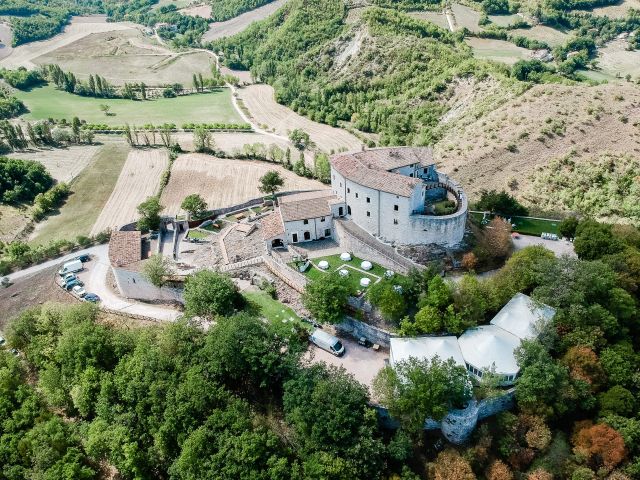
(91, 297)
(83, 258)
(72, 283)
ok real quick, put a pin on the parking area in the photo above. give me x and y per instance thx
(363, 363)
(559, 247)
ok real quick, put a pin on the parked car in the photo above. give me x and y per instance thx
(85, 257)
(73, 283)
(2, 341)
(68, 277)
(15, 352)
(91, 297)
(79, 291)
(71, 267)
(327, 342)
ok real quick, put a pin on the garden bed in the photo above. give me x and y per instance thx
(527, 225)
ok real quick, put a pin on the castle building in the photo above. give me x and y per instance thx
(395, 194)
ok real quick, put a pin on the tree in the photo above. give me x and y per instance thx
(449, 465)
(322, 168)
(501, 203)
(104, 108)
(202, 140)
(593, 240)
(388, 299)
(540, 474)
(209, 294)
(617, 401)
(584, 365)
(300, 139)
(497, 237)
(271, 182)
(194, 204)
(157, 269)
(326, 297)
(600, 444)
(149, 212)
(469, 261)
(498, 470)
(414, 390)
(568, 226)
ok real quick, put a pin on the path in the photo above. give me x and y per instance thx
(450, 19)
(245, 263)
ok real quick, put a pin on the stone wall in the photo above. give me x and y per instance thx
(355, 328)
(288, 275)
(353, 239)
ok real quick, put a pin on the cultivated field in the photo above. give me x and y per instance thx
(542, 33)
(466, 17)
(203, 11)
(241, 22)
(232, 143)
(79, 28)
(497, 50)
(64, 164)
(47, 102)
(504, 20)
(618, 11)
(5, 40)
(222, 182)
(614, 59)
(90, 191)
(128, 56)
(260, 101)
(138, 180)
(434, 17)
(504, 147)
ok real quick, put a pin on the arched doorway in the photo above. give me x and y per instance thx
(277, 243)
(348, 209)
(307, 235)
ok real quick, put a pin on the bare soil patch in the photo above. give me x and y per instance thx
(502, 148)
(64, 164)
(231, 143)
(138, 180)
(434, 17)
(79, 28)
(222, 182)
(12, 221)
(128, 56)
(260, 101)
(542, 33)
(619, 10)
(31, 291)
(466, 17)
(6, 38)
(203, 11)
(241, 22)
(614, 59)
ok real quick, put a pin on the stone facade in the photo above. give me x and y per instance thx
(355, 328)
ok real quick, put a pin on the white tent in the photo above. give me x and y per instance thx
(489, 346)
(425, 348)
(523, 317)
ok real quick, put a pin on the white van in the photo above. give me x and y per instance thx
(327, 342)
(71, 267)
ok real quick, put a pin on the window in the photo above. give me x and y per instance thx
(368, 214)
(322, 219)
(327, 232)
(307, 236)
(295, 238)
(340, 183)
(306, 222)
(348, 209)
(368, 200)
(395, 221)
(356, 194)
(348, 190)
(411, 174)
(341, 211)
(395, 208)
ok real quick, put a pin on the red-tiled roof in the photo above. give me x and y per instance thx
(390, 158)
(352, 168)
(125, 248)
(272, 226)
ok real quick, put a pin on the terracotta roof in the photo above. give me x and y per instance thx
(366, 175)
(272, 226)
(125, 248)
(390, 158)
(302, 206)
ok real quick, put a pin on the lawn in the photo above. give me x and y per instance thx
(353, 266)
(281, 317)
(48, 102)
(90, 192)
(529, 226)
(198, 234)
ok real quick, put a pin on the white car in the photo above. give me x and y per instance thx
(79, 291)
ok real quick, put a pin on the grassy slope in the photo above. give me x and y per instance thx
(47, 102)
(91, 190)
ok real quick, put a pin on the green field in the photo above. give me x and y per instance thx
(529, 226)
(48, 102)
(90, 192)
(283, 318)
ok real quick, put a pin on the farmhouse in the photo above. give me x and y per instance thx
(395, 194)
(484, 348)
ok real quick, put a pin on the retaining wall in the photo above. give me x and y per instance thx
(355, 328)
(288, 275)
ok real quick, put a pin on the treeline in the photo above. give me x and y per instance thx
(36, 20)
(222, 10)
(95, 86)
(394, 87)
(10, 106)
(22, 180)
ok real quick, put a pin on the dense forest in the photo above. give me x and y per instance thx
(22, 180)
(222, 10)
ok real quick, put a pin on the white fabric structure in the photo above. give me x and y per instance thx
(389, 273)
(364, 282)
(323, 264)
(345, 257)
(523, 317)
(343, 273)
(366, 265)
(425, 348)
(489, 346)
